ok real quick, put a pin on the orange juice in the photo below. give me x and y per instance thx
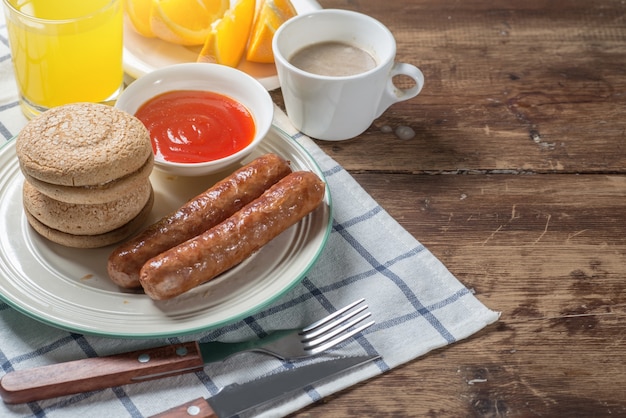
(65, 51)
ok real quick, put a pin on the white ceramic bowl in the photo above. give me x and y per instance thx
(208, 77)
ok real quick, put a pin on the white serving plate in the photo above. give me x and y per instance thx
(70, 289)
(143, 55)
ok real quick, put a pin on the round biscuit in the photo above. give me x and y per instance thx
(82, 144)
(85, 219)
(92, 241)
(95, 194)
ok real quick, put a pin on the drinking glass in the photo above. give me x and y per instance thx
(65, 51)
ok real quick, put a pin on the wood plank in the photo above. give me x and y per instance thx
(549, 253)
(515, 181)
(509, 86)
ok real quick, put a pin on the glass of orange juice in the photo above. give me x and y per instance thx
(65, 51)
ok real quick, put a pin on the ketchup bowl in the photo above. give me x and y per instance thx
(203, 118)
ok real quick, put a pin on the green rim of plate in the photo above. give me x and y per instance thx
(210, 325)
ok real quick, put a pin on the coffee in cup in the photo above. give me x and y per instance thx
(336, 70)
(335, 59)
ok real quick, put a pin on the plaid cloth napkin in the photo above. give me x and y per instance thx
(418, 306)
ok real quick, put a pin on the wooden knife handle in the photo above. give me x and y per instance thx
(198, 408)
(99, 372)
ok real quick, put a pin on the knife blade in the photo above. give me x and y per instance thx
(238, 398)
(95, 373)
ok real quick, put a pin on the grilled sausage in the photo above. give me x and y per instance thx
(202, 258)
(196, 216)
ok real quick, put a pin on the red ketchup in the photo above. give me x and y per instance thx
(188, 126)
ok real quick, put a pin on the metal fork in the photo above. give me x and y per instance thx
(298, 343)
(153, 363)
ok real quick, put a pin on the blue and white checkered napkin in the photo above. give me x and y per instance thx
(417, 303)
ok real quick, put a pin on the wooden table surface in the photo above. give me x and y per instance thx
(516, 181)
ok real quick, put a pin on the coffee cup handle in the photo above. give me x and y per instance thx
(394, 94)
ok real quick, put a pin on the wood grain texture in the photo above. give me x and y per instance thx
(516, 181)
(549, 252)
(520, 86)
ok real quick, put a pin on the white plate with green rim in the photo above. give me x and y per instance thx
(143, 55)
(69, 288)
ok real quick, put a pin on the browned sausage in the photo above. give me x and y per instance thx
(202, 258)
(194, 217)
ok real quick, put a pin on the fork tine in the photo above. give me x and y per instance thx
(322, 329)
(331, 316)
(325, 337)
(317, 337)
(334, 342)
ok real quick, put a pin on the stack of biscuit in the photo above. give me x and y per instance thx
(86, 169)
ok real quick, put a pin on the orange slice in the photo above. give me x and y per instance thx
(272, 14)
(185, 22)
(226, 42)
(139, 14)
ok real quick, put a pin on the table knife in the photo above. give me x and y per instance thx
(238, 398)
(95, 373)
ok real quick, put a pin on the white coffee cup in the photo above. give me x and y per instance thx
(339, 107)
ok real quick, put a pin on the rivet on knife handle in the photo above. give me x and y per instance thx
(198, 408)
(99, 372)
